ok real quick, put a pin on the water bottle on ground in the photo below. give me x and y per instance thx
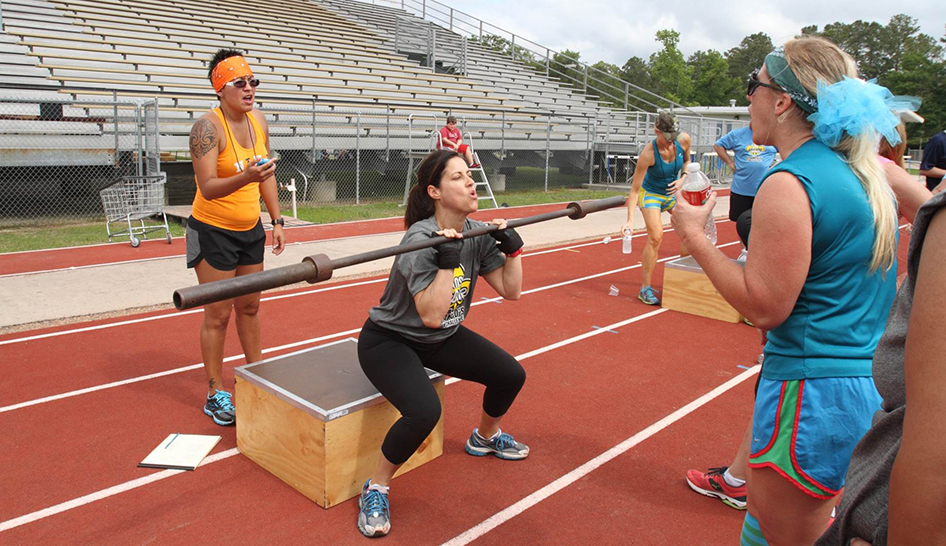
(626, 242)
(696, 189)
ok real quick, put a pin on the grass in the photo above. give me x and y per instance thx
(20, 238)
(90, 232)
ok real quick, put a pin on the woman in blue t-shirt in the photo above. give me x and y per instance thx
(657, 177)
(820, 280)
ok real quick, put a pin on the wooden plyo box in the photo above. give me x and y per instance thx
(314, 420)
(688, 289)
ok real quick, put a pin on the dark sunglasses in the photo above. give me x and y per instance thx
(240, 84)
(755, 83)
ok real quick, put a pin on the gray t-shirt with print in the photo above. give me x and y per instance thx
(414, 271)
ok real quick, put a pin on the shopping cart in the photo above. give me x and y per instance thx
(132, 199)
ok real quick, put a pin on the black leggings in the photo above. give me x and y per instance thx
(395, 365)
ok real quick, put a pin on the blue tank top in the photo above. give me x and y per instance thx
(661, 174)
(842, 309)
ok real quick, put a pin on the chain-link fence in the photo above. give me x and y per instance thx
(56, 154)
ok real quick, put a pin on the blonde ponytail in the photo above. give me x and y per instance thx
(814, 59)
(861, 153)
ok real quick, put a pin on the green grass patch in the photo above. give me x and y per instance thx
(20, 238)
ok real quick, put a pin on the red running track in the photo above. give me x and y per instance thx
(579, 401)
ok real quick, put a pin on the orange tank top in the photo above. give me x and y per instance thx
(240, 210)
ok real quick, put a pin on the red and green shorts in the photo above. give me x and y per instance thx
(807, 429)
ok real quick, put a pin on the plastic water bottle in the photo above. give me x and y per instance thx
(626, 242)
(696, 189)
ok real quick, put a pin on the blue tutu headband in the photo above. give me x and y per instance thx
(856, 106)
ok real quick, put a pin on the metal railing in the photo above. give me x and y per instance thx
(415, 37)
(612, 88)
(55, 155)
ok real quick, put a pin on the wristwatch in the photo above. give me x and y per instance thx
(279, 221)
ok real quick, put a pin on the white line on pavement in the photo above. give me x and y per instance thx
(561, 483)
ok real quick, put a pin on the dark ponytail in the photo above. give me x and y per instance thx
(419, 203)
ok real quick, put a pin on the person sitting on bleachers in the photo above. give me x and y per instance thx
(452, 138)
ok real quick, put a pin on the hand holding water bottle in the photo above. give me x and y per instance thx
(695, 192)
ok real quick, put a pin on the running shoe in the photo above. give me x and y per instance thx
(648, 295)
(712, 484)
(374, 516)
(220, 408)
(501, 445)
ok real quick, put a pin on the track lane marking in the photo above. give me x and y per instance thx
(564, 481)
(157, 476)
(87, 390)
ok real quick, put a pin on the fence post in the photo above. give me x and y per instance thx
(358, 158)
(313, 137)
(387, 133)
(481, 30)
(502, 147)
(548, 147)
(586, 84)
(607, 150)
(423, 9)
(547, 62)
(591, 149)
(625, 94)
(451, 19)
(139, 147)
(513, 48)
(115, 114)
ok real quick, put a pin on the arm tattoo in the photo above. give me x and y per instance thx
(203, 138)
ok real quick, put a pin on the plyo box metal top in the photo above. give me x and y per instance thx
(687, 263)
(325, 381)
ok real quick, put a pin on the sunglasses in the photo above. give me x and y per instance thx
(240, 84)
(755, 83)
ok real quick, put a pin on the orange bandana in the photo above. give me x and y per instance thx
(228, 70)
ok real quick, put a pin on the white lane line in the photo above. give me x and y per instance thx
(561, 483)
(173, 314)
(105, 493)
(156, 375)
(114, 490)
(296, 344)
(87, 390)
(577, 338)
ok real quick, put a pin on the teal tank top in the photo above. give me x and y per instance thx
(842, 309)
(661, 174)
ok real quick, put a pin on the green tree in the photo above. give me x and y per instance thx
(635, 71)
(712, 85)
(566, 66)
(669, 70)
(925, 78)
(605, 82)
(746, 57)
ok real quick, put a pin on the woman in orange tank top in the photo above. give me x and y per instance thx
(225, 238)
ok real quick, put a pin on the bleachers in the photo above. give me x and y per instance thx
(335, 54)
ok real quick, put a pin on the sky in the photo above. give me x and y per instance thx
(614, 31)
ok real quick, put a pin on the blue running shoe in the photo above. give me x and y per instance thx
(220, 408)
(648, 295)
(501, 445)
(374, 519)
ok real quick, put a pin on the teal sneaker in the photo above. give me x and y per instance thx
(374, 517)
(502, 445)
(648, 295)
(220, 408)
